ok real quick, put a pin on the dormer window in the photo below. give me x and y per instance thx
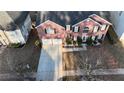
(85, 29)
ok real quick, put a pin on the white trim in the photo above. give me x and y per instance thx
(85, 20)
(95, 29)
(68, 27)
(96, 22)
(76, 29)
(49, 21)
(104, 26)
(101, 18)
(42, 23)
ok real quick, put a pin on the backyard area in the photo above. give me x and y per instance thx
(105, 56)
(20, 62)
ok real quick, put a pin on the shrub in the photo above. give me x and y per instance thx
(89, 41)
(79, 41)
(38, 43)
(68, 40)
(74, 42)
(15, 45)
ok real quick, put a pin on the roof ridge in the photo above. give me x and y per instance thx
(85, 20)
(100, 18)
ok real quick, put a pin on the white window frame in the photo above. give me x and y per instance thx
(50, 31)
(95, 29)
(76, 28)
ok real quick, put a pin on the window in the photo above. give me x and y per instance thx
(68, 27)
(50, 31)
(76, 29)
(103, 27)
(96, 28)
(85, 29)
(106, 27)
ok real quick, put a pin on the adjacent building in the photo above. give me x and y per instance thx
(104, 25)
(94, 27)
(117, 19)
(14, 27)
(86, 28)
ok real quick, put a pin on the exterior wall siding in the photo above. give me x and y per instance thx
(26, 28)
(11, 35)
(20, 36)
(118, 21)
(4, 40)
(117, 18)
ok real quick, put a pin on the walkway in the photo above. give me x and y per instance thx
(50, 63)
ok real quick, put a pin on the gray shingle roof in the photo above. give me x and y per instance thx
(64, 17)
(11, 20)
(18, 16)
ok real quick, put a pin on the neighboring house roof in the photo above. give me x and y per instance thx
(11, 20)
(63, 17)
(99, 19)
(6, 22)
(18, 16)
